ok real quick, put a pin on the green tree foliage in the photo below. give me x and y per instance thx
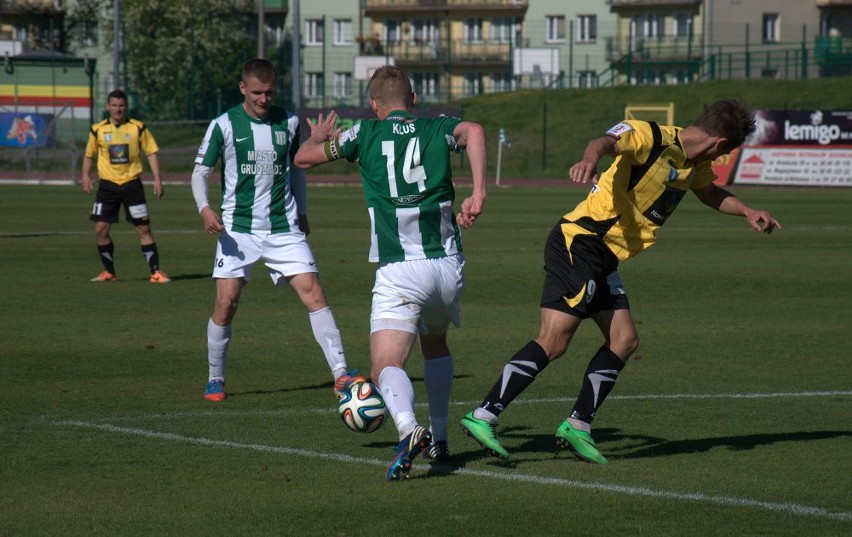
(185, 55)
(83, 21)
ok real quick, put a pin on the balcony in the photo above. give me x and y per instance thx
(833, 54)
(494, 53)
(385, 7)
(652, 49)
(655, 3)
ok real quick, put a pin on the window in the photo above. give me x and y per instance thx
(681, 77)
(473, 30)
(314, 31)
(88, 33)
(683, 25)
(393, 31)
(587, 28)
(342, 88)
(771, 28)
(555, 28)
(501, 30)
(587, 79)
(342, 31)
(502, 82)
(314, 85)
(472, 84)
(425, 85)
(648, 78)
(648, 26)
(425, 31)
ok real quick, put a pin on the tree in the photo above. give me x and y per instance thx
(82, 21)
(184, 55)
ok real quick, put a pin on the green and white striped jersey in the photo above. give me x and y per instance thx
(256, 157)
(407, 177)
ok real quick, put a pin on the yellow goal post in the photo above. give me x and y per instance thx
(661, 113)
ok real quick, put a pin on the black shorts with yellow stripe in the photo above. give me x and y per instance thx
(581, 273)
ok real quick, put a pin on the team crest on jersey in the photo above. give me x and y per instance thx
(108, 138)
(407, 200)
(673, 175)
(280, 137)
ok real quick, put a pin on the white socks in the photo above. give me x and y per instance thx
(438, 378)
(218, 339)
(328, 337)
(482, 414)
(398, 393)
(325, 332)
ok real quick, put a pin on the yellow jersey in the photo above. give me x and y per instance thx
(639, 191)
(118, 149)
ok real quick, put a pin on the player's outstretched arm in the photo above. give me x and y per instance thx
(321, 146)
(727, 203)
(587, 169)
(472, 136)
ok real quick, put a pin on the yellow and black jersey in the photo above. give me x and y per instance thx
(119, 149)
(640, 190)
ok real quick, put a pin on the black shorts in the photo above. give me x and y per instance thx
(111, 196)
(584, 281)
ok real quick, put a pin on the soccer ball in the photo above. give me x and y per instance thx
(362, 408)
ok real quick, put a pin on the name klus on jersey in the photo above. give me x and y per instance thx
(403, 129)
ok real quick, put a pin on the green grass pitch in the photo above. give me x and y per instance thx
(735, 421)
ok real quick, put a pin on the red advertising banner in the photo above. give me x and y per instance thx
(802, 148)
(800, 166)
(723, 167)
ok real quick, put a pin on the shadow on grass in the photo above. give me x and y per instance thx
(324, 386)
(624, 446)
(649, 446)
(179, 277)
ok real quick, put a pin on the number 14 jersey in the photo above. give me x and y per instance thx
(407, 178)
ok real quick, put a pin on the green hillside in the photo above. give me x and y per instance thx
(548, 130)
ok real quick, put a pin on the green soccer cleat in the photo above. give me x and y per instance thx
(485, 433)
(579, 442)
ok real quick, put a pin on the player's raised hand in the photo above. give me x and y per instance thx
(323, 129)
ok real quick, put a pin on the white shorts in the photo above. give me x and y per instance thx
(285, 254)
(421, 295)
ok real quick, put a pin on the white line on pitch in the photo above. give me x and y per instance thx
(790, 508)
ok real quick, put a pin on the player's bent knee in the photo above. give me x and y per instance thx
(625, 348)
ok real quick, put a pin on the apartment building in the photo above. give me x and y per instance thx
(451, 48)
(681, 41)
(458, 48)
(573, 35)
